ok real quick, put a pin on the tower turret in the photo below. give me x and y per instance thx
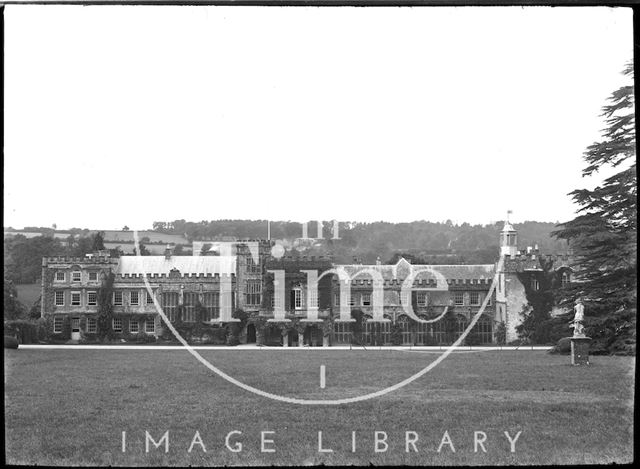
(508, 240)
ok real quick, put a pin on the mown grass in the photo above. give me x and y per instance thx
(69, 407)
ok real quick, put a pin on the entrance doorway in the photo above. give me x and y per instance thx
(75, 329)
(293, 338)
(313, 336)
(251, 334)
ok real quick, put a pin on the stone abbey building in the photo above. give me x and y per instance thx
(232, 298)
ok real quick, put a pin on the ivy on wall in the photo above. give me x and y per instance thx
(538, 327)
(105, 308)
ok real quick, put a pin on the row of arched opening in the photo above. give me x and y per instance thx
(312, 336)
(443, 332)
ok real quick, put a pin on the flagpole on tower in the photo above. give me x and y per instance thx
(509, 212)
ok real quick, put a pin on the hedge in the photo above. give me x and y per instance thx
(25, 332)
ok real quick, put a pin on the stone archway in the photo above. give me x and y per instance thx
(272, 335)
(293, 338)
(251, 334)
(313, 336)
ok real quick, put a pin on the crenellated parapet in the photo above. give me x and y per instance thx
(89, 261)
(467, 283)
(156, 276)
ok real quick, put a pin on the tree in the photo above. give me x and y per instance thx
(125, 228)
(603, 236)
(23, 256)
(98, 241)
(13, 309)
(105, 307)
(538, 326)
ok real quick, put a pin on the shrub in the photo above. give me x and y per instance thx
(430, 340)
(26, 332)
(562, 347)
(167, 335)
(89, 338)
(501, 334)
(10, 342)
(237, 327)
(473, 338)
(216, 336)
(44, 329)
(143, 338)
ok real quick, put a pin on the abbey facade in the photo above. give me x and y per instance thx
(249, 294)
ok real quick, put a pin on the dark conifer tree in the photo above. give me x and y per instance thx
(603, 236)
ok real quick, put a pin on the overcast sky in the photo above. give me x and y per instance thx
(127, 115)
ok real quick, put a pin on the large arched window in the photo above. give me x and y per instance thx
(342, 332)
(376, 333)
(484, 330)
(437, 332)
(405, 327)
(170, 305)
(461, 325)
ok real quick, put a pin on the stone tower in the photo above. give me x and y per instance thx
(510, 293)
(508, 240)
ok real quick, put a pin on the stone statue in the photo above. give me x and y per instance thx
(578, 319)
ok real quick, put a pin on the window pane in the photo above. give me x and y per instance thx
(474, 298)
(458, 298)
(92, 298)
(117, 298)
(75, 298)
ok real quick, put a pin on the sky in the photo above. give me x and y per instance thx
(120, 115)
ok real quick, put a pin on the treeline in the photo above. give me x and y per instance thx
(23, 256)
(434, 242)
(419, 241)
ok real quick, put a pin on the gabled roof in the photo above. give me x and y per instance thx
(199, 265)
(403, 268)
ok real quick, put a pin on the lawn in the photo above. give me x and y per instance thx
(70, 407)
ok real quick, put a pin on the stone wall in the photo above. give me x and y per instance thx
(516, 299)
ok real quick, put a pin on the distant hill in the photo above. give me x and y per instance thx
(419, 241)
(433, 241)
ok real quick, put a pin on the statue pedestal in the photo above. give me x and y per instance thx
(580, 350)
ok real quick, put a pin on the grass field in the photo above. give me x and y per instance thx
(69, 407)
